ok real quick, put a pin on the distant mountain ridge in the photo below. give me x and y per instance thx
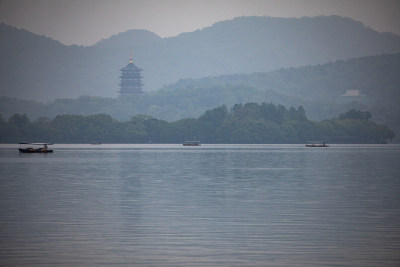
(130, 39)
(39, 68)
(376, 76)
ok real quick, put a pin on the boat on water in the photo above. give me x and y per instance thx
(316, 144)
(191, 143)
(35, 148)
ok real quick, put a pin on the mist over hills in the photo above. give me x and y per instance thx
(317, 87)
(38, 68)
(375, 76)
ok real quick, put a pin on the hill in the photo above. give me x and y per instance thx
(317, 88)
(375, 76)
(38, 68)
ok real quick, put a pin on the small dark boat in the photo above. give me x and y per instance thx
(191, 143)
(316, 144)
(35, 148)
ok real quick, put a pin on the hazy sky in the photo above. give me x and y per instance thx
(84, 22)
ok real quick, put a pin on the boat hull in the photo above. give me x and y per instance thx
(33, 150)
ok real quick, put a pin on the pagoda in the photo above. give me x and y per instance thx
(131, 80)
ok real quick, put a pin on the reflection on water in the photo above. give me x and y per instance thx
(228, 205)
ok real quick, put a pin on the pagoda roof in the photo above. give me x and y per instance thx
(131, 66)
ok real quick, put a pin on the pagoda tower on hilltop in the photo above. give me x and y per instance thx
(131, 80)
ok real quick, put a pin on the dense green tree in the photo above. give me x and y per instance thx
(210, 122)
(355, 115)
(19, 120)
(244, 123)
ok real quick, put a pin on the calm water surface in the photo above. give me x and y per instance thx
(214, 205)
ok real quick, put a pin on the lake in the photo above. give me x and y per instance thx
(213, 205)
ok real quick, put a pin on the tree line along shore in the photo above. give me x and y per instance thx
(249, 123)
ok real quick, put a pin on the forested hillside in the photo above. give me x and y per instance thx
(375, 76)
(249, 123)
(317, 88)
(37, 68)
